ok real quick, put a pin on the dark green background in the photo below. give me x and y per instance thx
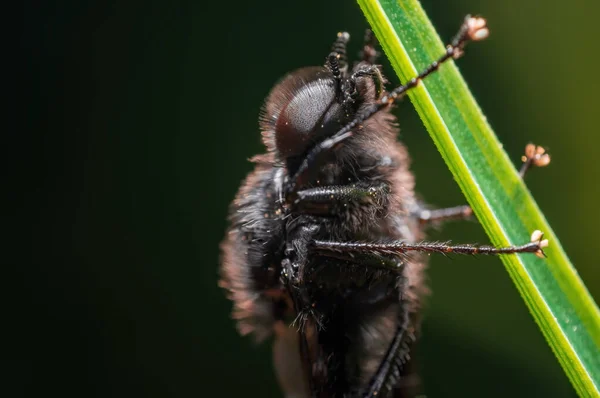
(134, 124)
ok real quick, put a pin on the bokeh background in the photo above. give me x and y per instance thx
(135, 121)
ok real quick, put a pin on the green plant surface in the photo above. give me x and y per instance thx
(551, 287)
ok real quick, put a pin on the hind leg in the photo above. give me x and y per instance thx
(535, 156)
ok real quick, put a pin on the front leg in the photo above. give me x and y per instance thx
(334, 199)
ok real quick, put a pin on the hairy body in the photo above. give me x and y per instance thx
(351, 312)
(324, 244)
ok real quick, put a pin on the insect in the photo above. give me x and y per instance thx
(327, 235)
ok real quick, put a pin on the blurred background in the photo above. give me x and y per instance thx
(134, 123)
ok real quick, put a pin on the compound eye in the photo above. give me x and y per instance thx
(300, 111)
(305, 117)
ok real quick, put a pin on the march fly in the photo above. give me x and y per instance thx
(325, 249)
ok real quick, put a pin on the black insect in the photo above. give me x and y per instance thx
(326, 233)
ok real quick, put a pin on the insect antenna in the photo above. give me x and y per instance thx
(333, 64)
(337, 61)
(339, 48)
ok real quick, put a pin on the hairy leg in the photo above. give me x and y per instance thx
(328, 199)
(336, 249)
(535, 156)
(472, 29)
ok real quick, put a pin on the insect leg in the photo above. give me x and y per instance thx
(298, 304)
(388, 372)
(396, 356)
(366, 258)
(325, 199)
(535, 156)
(316, 156)
(535, 246)
(349, 93)
(449, 213)
(472, 29)
(371, 71)
(369, 54)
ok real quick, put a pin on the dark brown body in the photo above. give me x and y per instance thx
(354, 311)
(317, 251)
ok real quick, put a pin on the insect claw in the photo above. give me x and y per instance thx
(541, 254)
(477, 28)
(537, 155)
(537, 237)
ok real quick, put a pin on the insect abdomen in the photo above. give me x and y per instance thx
(251, 253)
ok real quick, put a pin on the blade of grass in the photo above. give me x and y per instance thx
(551, 288)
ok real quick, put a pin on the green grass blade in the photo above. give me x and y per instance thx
(551, 288)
